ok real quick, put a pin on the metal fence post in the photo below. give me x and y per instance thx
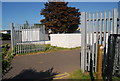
(83, 47)
(97, 29)
(115, 16)
(12, 39)
(118, 17)
(93, 22)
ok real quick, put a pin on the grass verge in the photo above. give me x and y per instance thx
(48, 47)
(78, 74)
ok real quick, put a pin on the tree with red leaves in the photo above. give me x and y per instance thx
(60, 18)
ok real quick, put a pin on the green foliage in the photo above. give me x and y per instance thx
(6, 36)
(60, 18)
(7, 57)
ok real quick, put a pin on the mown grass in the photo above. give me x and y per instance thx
(116, 78)
(78, 74)
(48, 47)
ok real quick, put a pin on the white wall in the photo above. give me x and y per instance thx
(70, 40)
(4, 32)
(66, 40)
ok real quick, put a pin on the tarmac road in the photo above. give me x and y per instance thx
(54, 62)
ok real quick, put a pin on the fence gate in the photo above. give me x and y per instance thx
(96, 28)
(27, 38)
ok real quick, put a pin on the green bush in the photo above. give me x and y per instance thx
(6, 36)
(7, 57)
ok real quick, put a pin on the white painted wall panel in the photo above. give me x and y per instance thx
(69, 40)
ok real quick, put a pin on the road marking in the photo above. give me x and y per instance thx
(61, 76)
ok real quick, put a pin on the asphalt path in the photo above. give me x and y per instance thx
(55, 62)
